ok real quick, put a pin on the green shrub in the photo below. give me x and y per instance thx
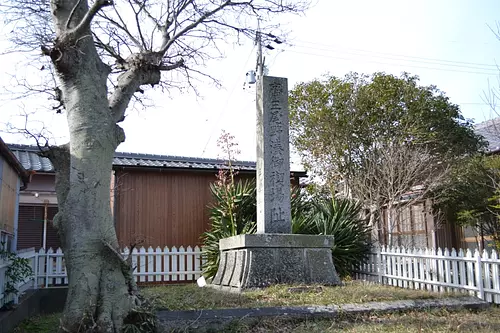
(341, 218)
(234, 209)
(18, 270)
(232, 213)
(301, 209)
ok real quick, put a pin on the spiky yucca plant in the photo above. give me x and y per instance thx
(233, 212)
(341, 218)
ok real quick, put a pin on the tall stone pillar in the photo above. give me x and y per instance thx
(274, 255)
(273, 157)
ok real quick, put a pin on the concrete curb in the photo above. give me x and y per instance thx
(208, 320)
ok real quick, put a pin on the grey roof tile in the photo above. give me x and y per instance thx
(28, 157)
(32, 161)
(490, 130)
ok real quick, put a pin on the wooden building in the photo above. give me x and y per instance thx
(157, 200)
(13, 179)
(418, 225)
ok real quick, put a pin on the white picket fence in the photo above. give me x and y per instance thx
(436, 270)
(22, 286)
(160, 265)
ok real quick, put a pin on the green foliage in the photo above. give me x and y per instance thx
(340, 218)
(472, 195)
(18, 270)
(301, 207)
(232, 213)
(468, 186)
(336, 122)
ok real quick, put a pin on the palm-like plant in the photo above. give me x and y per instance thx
(232, 213)
(341, 218)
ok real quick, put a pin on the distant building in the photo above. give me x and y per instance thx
(13, 178)
(157, 199)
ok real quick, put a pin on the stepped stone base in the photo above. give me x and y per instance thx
(262, 260)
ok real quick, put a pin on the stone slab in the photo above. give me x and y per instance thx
(236, 278)
(275, 241)
(206, 320)
(273, 157)
(230, 262)
(263, 260)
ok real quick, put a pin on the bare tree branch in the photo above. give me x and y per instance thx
(84, 25)
(128, 84)
(167, 42)
(70, 17)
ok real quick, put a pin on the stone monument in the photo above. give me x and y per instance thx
(274, 255)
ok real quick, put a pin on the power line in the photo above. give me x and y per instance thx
(394, 64)
(331, 47)
(402, 59)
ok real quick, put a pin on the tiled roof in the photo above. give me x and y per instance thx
(9, 157)
(31, 161)
(167, 161)
(28, 157)
(490, 130)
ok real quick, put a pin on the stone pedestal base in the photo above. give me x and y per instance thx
(261, 260)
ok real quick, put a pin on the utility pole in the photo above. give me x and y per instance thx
(273, 254)
(260, 58)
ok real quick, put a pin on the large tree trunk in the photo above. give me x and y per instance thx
(98, 288)
(99, 295)
(99, 292)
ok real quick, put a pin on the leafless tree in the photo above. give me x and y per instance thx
(492, 98)
(392, 179)
(102, 54)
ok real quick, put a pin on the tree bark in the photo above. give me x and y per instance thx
(99, 295)
(99, 292)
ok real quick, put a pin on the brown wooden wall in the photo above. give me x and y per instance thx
(419, 226)
(167, 208)
(161, 208)
(8, 195)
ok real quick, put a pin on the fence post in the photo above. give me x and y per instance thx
(379, 265)
(35, 272)
(479, 275)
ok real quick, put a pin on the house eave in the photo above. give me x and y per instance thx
(294, 174)
(14, 163)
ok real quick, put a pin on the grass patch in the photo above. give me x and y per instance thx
(486, 321)
(39, 324)
(439, 321)
(191, 297)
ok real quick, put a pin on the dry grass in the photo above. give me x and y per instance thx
(438, 321)
(191, 297)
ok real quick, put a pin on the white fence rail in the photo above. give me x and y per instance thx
(8, 297)
(436, 270)
(160, 265)
(150, 265)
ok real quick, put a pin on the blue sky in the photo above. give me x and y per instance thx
(333, 37)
